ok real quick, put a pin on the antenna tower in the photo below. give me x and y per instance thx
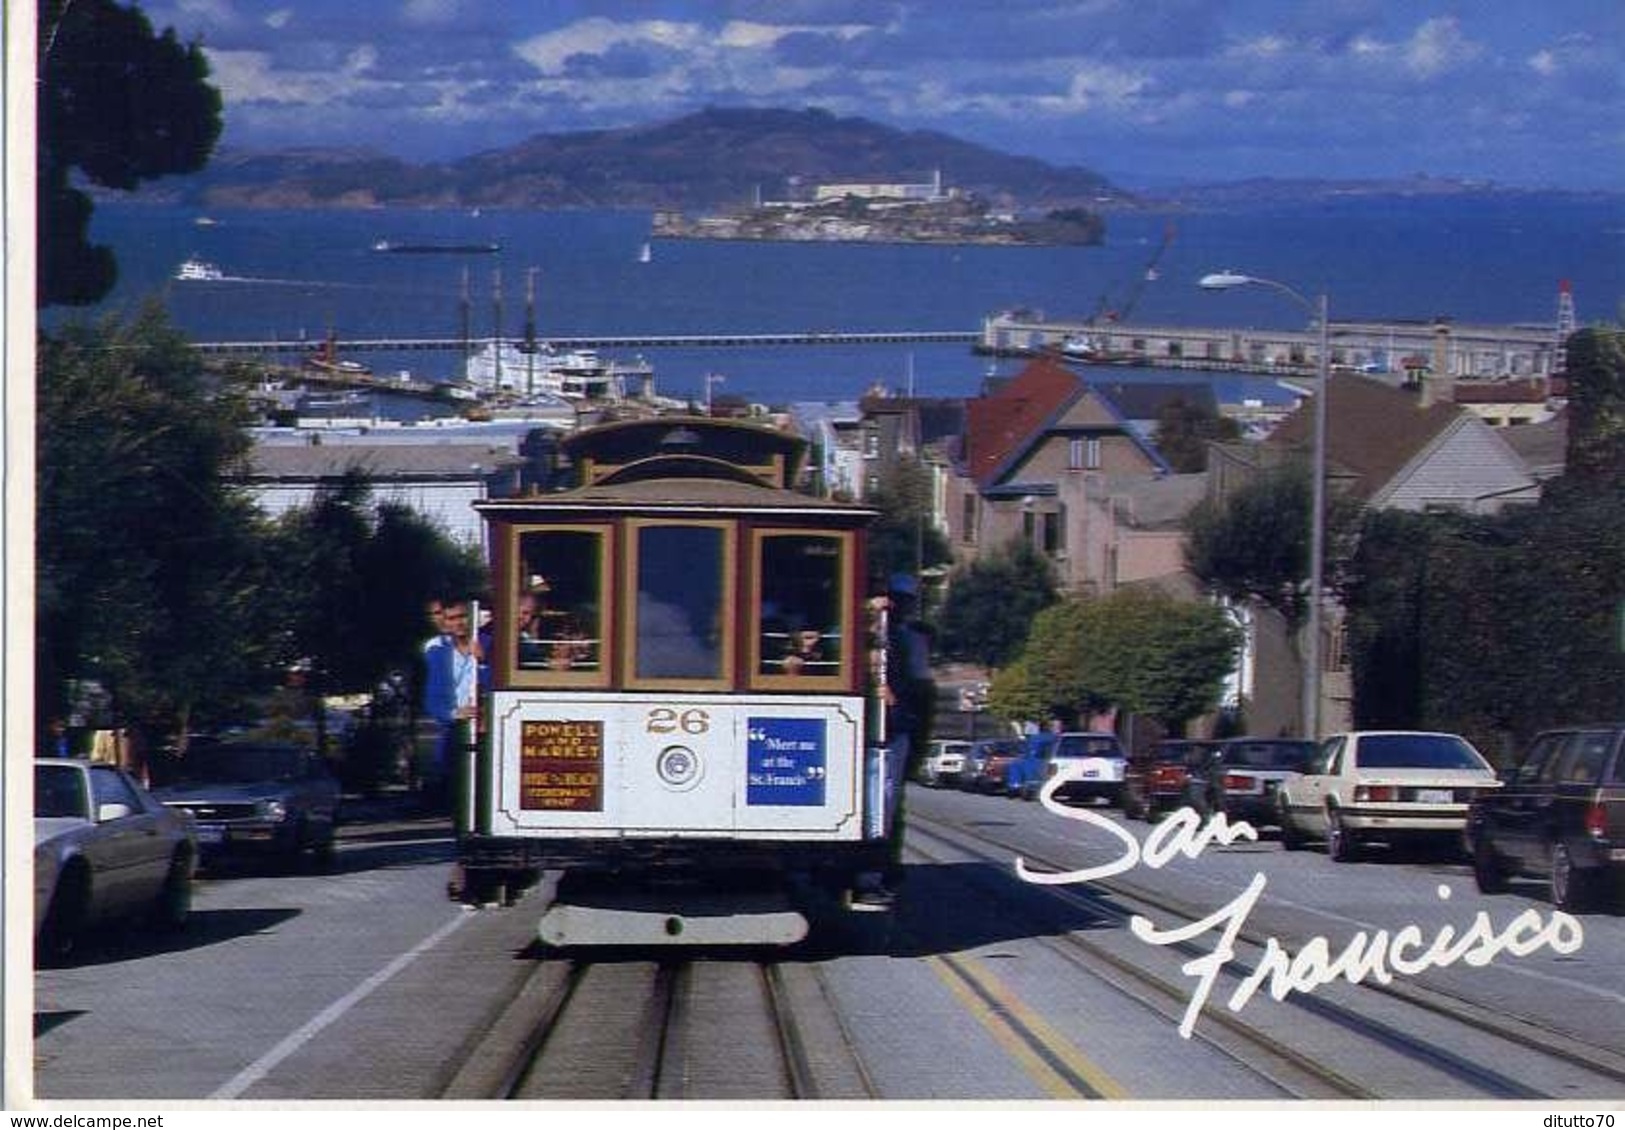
(1565, 325)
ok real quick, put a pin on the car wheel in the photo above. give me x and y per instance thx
(1133, 807)
(1291, 838)
(65, 917)
(1571, 886)
(1488, 872)
(174, 905)
(1341, 844)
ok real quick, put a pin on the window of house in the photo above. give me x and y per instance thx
(559, 626)
(802, 631)
(1051, 533)
(967, 523)
(680, 619)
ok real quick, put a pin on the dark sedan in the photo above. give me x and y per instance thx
(262, 799)
(1240, 779)
(1560, 816)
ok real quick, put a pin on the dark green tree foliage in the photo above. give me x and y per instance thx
(903, 539)
(118, 105)
(357, 580)
(1494, 628)
(151, 570)
(1596, 372)
(1184, 431)
(1256, 546)
(991, 604)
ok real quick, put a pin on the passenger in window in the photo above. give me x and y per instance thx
(527, 629)
(805, 655)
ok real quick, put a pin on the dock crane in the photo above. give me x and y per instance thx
(1087, 346)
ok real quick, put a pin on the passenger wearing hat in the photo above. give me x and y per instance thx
(910, 697)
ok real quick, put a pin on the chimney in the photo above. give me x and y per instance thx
(1438, 385)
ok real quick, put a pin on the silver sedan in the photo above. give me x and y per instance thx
(105, 852)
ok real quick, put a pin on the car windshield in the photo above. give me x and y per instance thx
(1269, 755)
(59, 790)
(1084, 746)
(1417, 751)
(244, 763)
(1175, 752)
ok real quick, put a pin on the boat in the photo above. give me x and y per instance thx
(540, 369)
(645, 253)
(390, 246)
(205, 221)
(338, 368)
(199, 270)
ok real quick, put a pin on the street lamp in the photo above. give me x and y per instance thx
(1226, 280)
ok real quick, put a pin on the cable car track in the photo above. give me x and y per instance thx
(663, 1029)
(1298, 1074)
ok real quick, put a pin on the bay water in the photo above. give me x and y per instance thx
(302, 274)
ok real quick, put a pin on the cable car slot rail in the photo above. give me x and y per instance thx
(1236, 1036)
(664, 1029)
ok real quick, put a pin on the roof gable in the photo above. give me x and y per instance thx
(1000, 426)
(1373, 429)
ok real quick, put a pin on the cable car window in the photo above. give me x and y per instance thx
(679, 630)
(801, 601)
(557, 624)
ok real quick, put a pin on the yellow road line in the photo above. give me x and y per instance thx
(1047, 1057)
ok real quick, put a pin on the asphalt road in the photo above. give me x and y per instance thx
(366, 983)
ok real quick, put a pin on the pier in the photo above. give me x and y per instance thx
(621, 341)
(1443, 347)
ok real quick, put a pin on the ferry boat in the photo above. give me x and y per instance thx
(199, 270)
(539, 369)
(392, 247)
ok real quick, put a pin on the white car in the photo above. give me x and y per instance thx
(104, 851)
(944, 762)
(1382, 785)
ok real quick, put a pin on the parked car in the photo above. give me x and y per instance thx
(987, 765)
(944, 762)
(104, 851)
(257, 799)
(1242, 775)
(1154, 781)
(1093, 763)
(1560, 816)
(1382, 785)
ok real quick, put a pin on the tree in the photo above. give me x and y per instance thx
(152, 576)
(118, 105)
(356, 581)
(991, 604)
(1141, 651)
(904, 539)
(1185, 429)
(1596, 373)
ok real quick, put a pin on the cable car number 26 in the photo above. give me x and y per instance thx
(668, 720)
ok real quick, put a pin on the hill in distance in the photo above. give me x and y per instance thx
(716, 158)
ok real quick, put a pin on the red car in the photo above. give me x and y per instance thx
(987, 768)
(1154, 781)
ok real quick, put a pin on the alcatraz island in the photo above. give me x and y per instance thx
(851, 212)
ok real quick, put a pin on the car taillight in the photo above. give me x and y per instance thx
(1596, 820)
(1376, 793)
(1234, 782)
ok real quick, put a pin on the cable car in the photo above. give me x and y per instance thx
(680, 733)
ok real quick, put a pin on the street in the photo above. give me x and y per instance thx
(366, 983)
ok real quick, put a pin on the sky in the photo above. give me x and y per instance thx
(1151, 93)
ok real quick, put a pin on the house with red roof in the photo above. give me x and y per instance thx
(1034, 460)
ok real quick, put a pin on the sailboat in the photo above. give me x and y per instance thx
(645, 253)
